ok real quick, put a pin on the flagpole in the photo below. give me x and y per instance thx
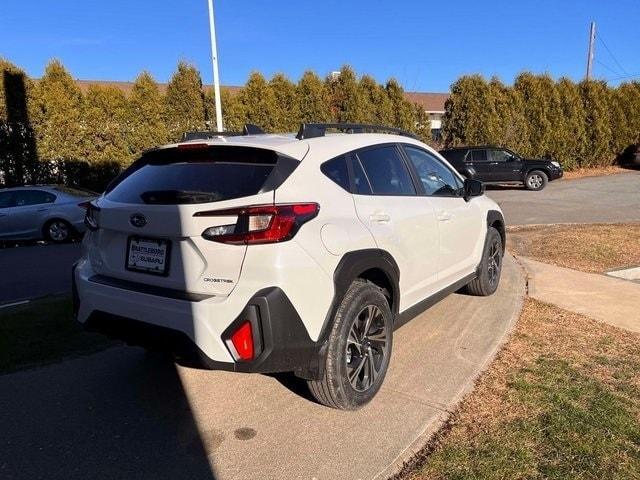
(216, 79)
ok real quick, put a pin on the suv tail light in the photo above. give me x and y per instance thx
(242, 341)
(260, 224)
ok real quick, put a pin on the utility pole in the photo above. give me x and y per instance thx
(216, 79)
(592, 40)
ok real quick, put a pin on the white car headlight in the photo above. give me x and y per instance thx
(555, 164)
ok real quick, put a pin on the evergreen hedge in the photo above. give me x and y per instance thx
(51, 131)
(585, 124)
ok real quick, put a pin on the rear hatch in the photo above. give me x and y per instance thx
(149, 232)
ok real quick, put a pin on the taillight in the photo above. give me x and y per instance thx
(242, 340)
(260, 224)
(91, 219)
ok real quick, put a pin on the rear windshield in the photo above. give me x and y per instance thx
(185, 176)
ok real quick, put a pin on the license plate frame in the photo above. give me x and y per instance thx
(132, 267)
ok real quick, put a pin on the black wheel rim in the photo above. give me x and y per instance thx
(494, 263)
(367, 348)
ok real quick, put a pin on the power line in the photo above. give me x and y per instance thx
(599, 37)
(616, 72)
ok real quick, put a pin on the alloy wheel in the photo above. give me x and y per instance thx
(535, 181)
(58, 231)
(494, 263)
(367, 348)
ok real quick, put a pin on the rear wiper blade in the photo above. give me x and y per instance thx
(169, 197)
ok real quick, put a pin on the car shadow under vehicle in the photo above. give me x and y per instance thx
(116, 414)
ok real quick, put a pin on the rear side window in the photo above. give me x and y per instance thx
(386, 171)
(175, 176)
(337, 171)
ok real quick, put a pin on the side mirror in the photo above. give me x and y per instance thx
(472, 188)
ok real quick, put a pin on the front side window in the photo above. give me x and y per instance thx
(437, 179)
(386, 171)
(25, 198)
(500, 156)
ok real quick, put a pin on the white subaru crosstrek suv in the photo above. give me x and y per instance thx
(285, 253)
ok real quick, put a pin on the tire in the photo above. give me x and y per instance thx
(353, 353)
(536, 180)
(488, 279)
(58, 231)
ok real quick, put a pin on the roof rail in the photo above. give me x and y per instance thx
(313, 130)
(249, 129)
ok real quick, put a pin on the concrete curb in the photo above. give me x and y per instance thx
(422, 440)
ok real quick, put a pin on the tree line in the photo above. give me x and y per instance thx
(585, 124)
(50, 130)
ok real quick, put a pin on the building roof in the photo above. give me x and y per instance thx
(430, 101)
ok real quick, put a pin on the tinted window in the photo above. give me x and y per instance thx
(454, 156)
(386, 171)
(360, 181)
(437, 179)
(479, 155)
(500, 156)
(337, 171)
(6, 199)
(24, 198)
(213, 174)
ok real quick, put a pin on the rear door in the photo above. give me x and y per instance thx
(149, 231)
(401, 222)
(478, 159)
(460, 223)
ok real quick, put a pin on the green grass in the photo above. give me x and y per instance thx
(43, 331)
(561, 402)
(582, 431)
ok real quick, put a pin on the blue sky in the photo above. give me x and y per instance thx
(424, 44)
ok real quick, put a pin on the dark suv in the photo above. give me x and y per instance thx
(501, 165)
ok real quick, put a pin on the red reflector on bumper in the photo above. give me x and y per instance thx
(242, 340)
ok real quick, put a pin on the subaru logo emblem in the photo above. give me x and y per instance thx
(138, 220)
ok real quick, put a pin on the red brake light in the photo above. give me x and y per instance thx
(260, 224)
(192, 146)
(242, 340)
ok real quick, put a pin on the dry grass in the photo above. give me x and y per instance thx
(589, 248)
(562, 400)
(593, 172)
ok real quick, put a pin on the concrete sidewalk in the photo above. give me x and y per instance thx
(121, 414)
(610, 300)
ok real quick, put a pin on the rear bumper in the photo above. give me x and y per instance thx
(197, 331)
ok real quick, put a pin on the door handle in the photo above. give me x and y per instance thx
(444, 216)
(44, 209)
(379, 217)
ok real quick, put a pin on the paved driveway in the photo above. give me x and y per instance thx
(609, 199)
(37, 270)
(124, 414)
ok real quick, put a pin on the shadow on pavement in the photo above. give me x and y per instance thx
(117, 414)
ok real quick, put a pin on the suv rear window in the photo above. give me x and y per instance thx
(194, 175)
